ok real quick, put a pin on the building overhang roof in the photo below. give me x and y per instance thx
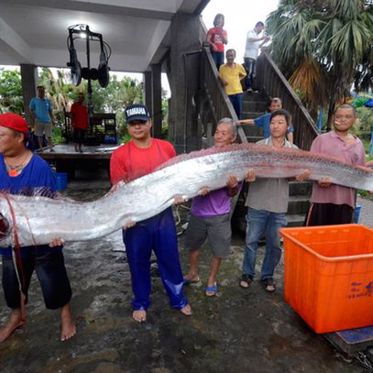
(35, 32)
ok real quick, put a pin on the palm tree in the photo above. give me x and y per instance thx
(323, 47)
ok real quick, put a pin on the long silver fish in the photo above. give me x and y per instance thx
(38, 220)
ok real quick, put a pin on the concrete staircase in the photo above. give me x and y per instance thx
(255, 104)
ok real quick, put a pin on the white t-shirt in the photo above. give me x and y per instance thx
(252, 47)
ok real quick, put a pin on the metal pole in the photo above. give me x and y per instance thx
(89, 89)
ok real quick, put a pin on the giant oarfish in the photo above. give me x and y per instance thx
(38, 220)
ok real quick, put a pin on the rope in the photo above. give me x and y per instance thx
(16, 256)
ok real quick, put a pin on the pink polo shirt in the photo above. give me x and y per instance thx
(331, 144)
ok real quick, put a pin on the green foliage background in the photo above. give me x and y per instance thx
(112, 99)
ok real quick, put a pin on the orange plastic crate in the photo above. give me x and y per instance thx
(328, 275)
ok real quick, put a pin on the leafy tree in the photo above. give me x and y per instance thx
(11, 91)
(324, 46)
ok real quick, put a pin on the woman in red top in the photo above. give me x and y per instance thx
(217, 37)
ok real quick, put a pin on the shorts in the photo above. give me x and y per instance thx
(42, 128)
(51, 272)
(217, 230)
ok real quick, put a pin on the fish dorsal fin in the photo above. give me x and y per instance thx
(204, 152)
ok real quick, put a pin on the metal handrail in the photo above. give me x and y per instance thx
(270, 79)
(213, 90)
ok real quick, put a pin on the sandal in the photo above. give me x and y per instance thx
(269, 285)
(245, 281)
(211, 290)
(191, 281)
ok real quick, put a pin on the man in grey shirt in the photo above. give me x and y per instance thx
(267, 203)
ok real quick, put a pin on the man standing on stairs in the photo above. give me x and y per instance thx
(255, 39)
(267, 202)
(231, 74)
(263, 121)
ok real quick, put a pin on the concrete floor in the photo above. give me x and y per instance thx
(237, 331)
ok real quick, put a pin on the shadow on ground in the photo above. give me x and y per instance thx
(237, 331)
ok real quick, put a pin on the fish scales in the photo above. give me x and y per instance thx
(40, 219)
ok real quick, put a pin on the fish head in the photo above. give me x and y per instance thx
(4, 228)
(5, 222)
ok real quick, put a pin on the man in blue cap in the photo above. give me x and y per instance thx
(139, 157)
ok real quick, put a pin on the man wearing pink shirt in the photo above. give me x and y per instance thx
(330, 203)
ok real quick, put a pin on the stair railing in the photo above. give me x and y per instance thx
(272, 81)
(212, 92)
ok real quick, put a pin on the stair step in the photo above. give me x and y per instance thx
(259, 107)
(254, 138)
(298, 204)
(295, 220)
(252, 131)
(251, 114)
(300, 188)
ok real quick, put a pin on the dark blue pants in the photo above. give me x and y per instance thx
(218, 58)
(159, 234)
(236, 101)
(250, 66)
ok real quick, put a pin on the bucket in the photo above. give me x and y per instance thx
(328, 275)
(61, 180)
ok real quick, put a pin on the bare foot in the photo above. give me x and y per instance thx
(68, 328)
(186, 310)
(139, 315)
(15, 321)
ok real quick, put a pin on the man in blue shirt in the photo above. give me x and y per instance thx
(42, 116)
(21, 172)
(264, 120)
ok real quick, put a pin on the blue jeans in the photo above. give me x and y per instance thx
(259, 223)
(236, 101)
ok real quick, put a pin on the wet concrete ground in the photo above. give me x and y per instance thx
(237, 331)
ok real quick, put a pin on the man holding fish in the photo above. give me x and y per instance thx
(22, 172)
(267, 202)
(139, 157)
(331, 203)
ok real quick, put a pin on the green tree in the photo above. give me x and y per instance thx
(11, 91)
(324, 46)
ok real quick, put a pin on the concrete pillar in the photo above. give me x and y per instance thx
(28, 78)
(184, 77)
(148, 91)
(156, 100)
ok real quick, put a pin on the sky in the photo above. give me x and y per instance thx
(240, 17)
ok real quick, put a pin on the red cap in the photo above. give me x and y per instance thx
(13, 121)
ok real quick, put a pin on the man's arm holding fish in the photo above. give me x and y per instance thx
(232, 187)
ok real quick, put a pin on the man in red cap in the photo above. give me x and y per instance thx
(21, 172)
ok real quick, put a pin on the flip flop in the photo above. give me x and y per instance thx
(211, 290)
(191, 281)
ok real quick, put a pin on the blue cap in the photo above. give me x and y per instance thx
(136, 112)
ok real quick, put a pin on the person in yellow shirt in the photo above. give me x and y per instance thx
(231, 75)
